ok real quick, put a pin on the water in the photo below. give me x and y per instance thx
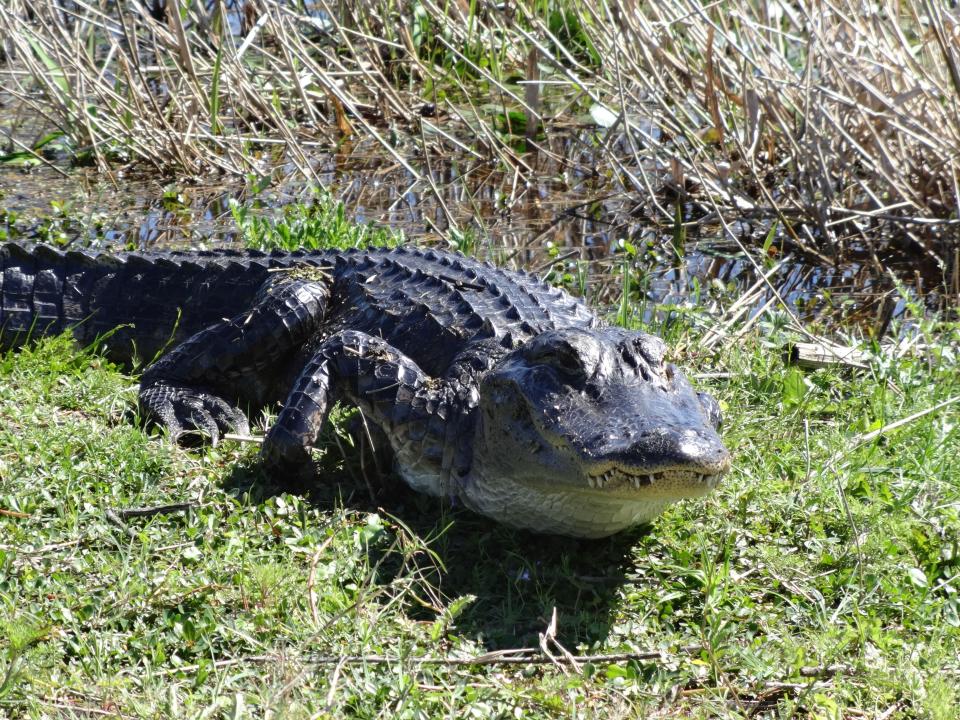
(565, 223)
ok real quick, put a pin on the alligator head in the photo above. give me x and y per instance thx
(588, 431)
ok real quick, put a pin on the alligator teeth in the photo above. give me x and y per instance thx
(637, 482)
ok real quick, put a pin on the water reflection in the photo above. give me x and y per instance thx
(569, 222)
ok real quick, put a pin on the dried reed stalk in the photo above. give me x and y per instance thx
(840, 120)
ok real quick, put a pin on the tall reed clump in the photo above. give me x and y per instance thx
(838, 120)
(842, 115)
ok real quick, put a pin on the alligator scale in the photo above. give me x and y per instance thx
(488, 385)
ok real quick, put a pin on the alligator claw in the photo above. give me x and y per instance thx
(190, 414)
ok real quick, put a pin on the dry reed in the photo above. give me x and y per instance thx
(838, 120)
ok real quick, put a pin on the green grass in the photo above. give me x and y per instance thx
(318, 225)
(817, 551)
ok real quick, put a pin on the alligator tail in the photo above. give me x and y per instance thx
(136, 304)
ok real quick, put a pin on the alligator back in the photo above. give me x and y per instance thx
(427, 303)
(141, 302)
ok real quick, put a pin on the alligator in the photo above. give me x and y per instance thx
(490, 387)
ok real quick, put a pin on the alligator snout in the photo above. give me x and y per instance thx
(697, 451)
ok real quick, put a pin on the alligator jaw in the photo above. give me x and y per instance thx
(558, 508)
(643, 483)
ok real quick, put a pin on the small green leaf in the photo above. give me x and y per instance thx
(794, 388)
(21, 158)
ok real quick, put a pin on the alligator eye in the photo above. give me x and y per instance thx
(570, 365)
(562, 358)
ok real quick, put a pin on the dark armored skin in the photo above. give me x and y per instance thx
(489, 385)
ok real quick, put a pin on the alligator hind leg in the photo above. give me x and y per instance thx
(383, 382)
(198, 386)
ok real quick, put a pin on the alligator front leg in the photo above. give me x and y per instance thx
(388, 386)
(198, 386)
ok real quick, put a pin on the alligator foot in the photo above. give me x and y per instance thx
(286, 459)
(237, 357)
(285, 453)
(190, 415)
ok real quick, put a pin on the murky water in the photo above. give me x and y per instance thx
(567, 225)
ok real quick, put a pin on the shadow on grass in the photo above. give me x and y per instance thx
(517, 578)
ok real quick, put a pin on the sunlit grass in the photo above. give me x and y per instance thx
(319, 224)
(819, 580)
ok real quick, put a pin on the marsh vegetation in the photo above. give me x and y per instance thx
(825, 137)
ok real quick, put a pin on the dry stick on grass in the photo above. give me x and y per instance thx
(115, 519)
(519, 656)
(236, 437)
(155, 510)
(548, 638)
(73, 709)
(864, 438)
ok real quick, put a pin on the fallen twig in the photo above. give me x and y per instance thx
(256, 439)
(151, 511)
(518, 656)
(873, 434)
(549, 637)
(825, 354)
(115, 519)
